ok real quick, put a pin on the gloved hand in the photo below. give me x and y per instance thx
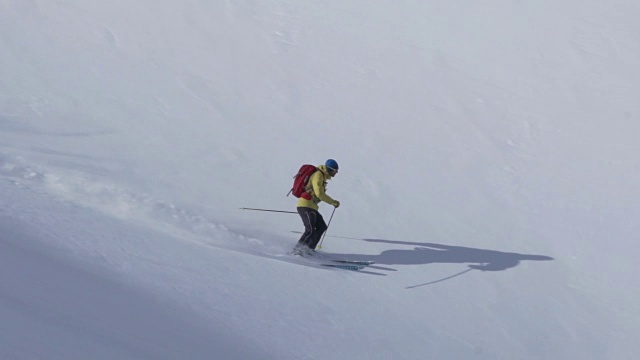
(336, 203)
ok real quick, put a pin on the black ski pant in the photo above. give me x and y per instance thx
(314, 227)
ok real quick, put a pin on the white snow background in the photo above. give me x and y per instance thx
(489, 164)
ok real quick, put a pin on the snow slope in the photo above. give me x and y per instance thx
(54, 306)
(488, 165)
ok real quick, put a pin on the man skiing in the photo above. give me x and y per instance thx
(314, 224)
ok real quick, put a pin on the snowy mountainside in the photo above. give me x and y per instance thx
(488, 166)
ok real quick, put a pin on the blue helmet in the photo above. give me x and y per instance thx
(331, 164)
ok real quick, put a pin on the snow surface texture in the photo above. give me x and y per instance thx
(489, 166)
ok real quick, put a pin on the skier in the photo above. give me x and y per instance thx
(314, 224)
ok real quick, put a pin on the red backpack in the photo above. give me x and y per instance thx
(300, 181)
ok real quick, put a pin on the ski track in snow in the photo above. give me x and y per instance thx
(117, 202)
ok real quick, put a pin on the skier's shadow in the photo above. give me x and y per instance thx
(429, 253)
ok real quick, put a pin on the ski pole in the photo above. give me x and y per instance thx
(268, 210)
(325, 232)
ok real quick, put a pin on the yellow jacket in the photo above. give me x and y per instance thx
(316, 187)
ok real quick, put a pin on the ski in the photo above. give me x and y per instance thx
(345, 266)
(354, 262)
(348, 264)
